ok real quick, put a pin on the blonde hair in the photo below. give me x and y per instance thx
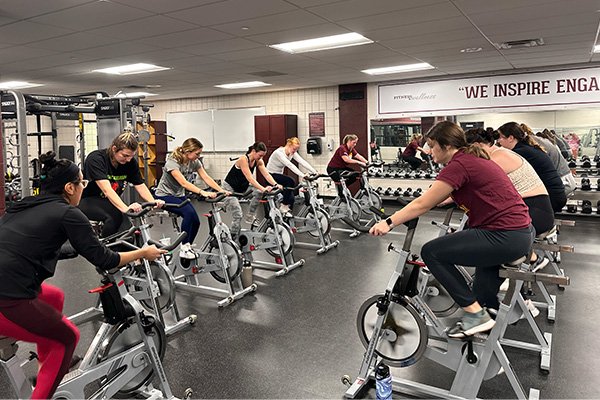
(349, 138)
(189, 145)
(125, 140)
(292, 141)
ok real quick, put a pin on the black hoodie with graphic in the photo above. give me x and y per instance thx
(31, 234)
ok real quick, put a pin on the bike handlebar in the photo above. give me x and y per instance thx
(172, 246)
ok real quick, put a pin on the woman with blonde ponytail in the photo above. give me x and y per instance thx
(499, 230)
(175, 180)
(512, 136)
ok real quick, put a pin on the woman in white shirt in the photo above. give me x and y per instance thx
(281, 158)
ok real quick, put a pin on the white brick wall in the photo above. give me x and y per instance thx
(298, 102)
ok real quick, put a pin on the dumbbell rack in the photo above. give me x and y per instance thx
(579, 195)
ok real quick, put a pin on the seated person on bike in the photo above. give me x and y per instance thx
(410, 152)
(512, 136)
(282, 158)
(344, 156)
(240, 177)
(108, 170)
(499, 229)
(31, 234)
(175, 180)
(526, 181)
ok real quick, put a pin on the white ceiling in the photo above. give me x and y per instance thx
(59, 42)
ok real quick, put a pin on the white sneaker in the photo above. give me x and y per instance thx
(186, 251)
(284, 208)
(532, 308)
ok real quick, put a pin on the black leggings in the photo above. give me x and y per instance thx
(479, 248)
(99, 209)
(541, 213)
(335, 176)
(414, 162)
(558, 200)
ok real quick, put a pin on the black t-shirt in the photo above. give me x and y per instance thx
(98, 167)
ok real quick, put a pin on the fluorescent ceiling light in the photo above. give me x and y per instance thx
(323, 43)
(597, 48)
(18, 85)
(242, 85)
(135, 94)
(397, 69)
(139, 68)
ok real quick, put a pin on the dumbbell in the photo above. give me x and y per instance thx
(418, 192)
(572, 163)
(397, 192)
(586, 207)
(572, 208)
(427, 175)
(398, 174)
(407, 192)
(586, 184)
(379, 190)
(388, 191)
(586, 163)
(407, 174)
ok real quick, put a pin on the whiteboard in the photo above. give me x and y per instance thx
(227, 130)
(234, 128)
(196, 124)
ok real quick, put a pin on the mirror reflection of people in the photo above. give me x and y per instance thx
(175, 180)
(410, 152)
(279, 160)
(345, 156)
(108, 170)
(31, 235)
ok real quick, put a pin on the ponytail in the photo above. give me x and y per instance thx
(476, 151)
(520, 132)
(188, 145)
(55, 174)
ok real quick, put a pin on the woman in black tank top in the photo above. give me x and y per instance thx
(240, 177)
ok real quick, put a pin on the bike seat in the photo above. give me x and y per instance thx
(542, 236)
(349, 174)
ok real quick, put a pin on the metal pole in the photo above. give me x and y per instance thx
(22, 132)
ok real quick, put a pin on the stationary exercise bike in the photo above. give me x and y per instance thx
(219, 255)
(123, 360)
(346, 207)
(398, 328)
(273, 235)
(312, 218)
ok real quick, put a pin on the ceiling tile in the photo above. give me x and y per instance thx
(232, 10)
(19, 53)
(186, 38)
(74, 42)
(162, 6)
(24, 32)
(271, 23)
(222, 46)
(292, 35)
(23, 9)
(122, 49)
(156, 25)
(360, 8)
(92, 15)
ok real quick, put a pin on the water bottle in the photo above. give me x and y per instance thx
(383, 382)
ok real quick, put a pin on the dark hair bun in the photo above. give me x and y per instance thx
(48, 160)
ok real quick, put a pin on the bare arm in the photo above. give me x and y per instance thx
(190, 187)
(242, 162)
(150, 253)
(144, 192)
(265, 172)
(209, 181)
(437, 193)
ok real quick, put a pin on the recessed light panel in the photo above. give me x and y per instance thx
(242, 85)
(397, 69)
(130, 69)
(323, 43)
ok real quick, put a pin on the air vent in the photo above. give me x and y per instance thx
(519, 44)
(266, 74)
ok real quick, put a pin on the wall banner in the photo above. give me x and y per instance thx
(571, 87)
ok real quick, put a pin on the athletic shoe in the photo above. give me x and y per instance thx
(187, 252)
(539, 264)
(532, 308)
(470, 324)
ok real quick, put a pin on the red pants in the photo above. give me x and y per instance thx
(40, 321)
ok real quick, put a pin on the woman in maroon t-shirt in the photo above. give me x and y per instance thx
(410, 152)
(499, 231)
(344, 156)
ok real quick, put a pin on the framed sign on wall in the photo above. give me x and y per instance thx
(316, 124)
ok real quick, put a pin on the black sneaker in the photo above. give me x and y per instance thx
(539, 264)
(470, 324)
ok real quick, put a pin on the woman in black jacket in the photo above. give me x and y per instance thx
(514, 138)
(31, 235)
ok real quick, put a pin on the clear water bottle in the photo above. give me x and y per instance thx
(383, 382)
